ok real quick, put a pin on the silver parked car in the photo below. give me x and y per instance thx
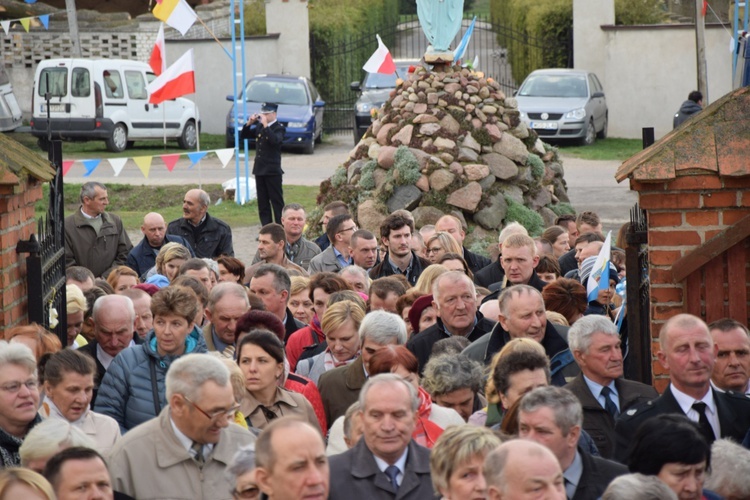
(10, 112)
(564, 104)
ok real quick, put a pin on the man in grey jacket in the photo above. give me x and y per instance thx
(184, 451)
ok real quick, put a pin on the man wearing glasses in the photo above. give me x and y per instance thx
(184, 451)
(336, 257)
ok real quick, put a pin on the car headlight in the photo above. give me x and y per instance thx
(297, 124)
(576, 114)
(363, 107)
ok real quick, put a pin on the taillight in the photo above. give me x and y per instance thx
(98, 101)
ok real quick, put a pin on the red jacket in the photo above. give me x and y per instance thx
(306, 387)
(300, 339)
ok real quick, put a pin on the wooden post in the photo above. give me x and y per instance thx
(70, 7)
(700, 50)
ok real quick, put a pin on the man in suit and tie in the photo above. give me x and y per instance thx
(600, 388)
(386, 463)
(552, 416)
(688, 352)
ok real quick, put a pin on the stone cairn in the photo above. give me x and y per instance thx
(451, 143)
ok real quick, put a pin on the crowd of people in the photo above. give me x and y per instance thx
(397, 365)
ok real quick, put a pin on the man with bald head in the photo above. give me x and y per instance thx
(520, 469)
(452, 225)
(688, 353)
(209, 237)
(143, 256)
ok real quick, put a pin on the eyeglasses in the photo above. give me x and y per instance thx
(217, 414)
(249, 493)
(434, 250)
(14, 387)
(353, 228)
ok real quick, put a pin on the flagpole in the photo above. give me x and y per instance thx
(198, 148)
(164, 125)
(212, 34)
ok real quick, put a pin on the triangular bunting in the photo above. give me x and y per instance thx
(196, 157)
(224, 156)
(117, 164)
(144, 163)
(45, 21)
(90, 166)
(30, 1)
(5, 25)
(66, 166)
(170, 160)
(25, 22)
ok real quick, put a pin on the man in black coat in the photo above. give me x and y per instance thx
(209, 237)
(687, 351)
(269, 136)
(395, 235)
(603, 393)
(456, 307)
(386, 463)
(552, 416)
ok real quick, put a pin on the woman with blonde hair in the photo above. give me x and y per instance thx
(75, 307)
(299, 300)
(428, 277)
(121, 278)
(340, 325)
(170, 258)
(24, 483)
(49, 438)
(440, 244)
(457, 460)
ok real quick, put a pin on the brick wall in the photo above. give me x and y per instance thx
(17, 222)
(683, 214)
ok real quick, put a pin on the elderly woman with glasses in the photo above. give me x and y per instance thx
(19, 400)
(260, 355)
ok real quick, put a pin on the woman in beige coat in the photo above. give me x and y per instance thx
(69, 383)
(260, 355)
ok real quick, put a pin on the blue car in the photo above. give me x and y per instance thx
(300, 109)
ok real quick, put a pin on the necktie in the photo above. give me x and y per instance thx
(609, 405)
(392, 472)
(197, 448)
(703, 423)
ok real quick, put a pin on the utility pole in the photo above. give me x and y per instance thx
(70, 7)
(700, 50)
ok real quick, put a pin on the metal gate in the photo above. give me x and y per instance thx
(638, 362)
(45, 264)
(333, 68)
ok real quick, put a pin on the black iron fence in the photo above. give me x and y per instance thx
(638, 361)
(45, 264)
(494, 47)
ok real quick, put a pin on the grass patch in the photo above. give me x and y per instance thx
(97, 149)
(606, 149)
(128, 202)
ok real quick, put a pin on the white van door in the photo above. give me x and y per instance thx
(168, 114)
(144, 117)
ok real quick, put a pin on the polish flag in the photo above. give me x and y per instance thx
(177, 80)
(176, 13)
(381, 61)
(158, 61)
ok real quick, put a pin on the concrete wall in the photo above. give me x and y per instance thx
(290, 19)
(647, 71)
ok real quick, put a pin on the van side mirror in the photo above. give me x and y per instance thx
(597, 94)
(319, 104)
(230, 97)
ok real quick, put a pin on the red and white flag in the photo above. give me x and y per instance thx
(177, 80)
(158, 61)
(381, 61)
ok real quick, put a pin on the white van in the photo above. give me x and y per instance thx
(106, 99)
(10, 112)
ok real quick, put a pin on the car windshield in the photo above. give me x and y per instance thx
(277, 92)
(554, 86)
(382, 81)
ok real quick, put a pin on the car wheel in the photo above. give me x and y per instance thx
(189, 137)
(590, 136)
(602, 134)
(309, 147)
(118, 141)
(43, 144)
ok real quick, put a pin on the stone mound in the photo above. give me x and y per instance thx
(450, 143)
